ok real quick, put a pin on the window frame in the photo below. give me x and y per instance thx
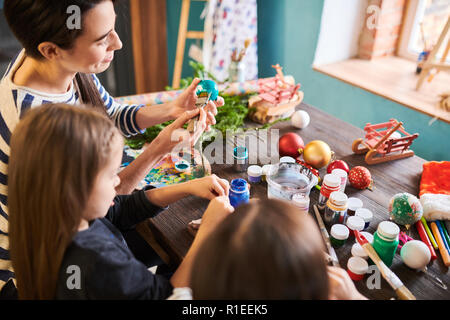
(410, 25)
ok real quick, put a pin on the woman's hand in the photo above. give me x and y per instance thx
(186, 101)
(209, 187)
(341, 286)
(175, 136)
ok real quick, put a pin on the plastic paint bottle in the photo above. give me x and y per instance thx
(339, 234)
(342, 174)
(254, 174)
(366, 215)
(265, 171)
(353, 205)
(385, 241)
(239, 193)
(336, 208)
(368, 236)
(357, 268)
(358, 251)
(355, 223)
(330, 184)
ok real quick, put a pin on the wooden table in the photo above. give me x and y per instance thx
(170, 227)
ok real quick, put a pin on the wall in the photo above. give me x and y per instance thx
(288, 32)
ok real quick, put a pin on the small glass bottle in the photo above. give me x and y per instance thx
(239, 193)
(366, 215)
(385, 241)
(339, 234)
(336, 208)
(236, 71)
(330, 184)
(301, 201)
(240, 156)
(353, 205)
(342, 174)
(354, 223)
(254, 174)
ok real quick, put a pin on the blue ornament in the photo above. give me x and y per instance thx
(207, 87)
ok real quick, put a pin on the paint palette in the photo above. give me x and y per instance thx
(172, 169)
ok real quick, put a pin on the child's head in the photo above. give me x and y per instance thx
(78, 35)
(62, 172)
(265, 250)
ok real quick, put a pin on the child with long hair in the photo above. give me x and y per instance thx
(66, 221)
(58, 64)
(268, 250)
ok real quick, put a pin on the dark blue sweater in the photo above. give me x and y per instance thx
(100, 258)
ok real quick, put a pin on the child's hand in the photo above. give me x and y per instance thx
(175, 136)
(341, 286)
(219, 208)
(209, 187)
(186, 101)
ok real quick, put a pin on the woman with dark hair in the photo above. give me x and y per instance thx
(266, 250)
(58, 65)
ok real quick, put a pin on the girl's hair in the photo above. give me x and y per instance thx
(265, 250)
(56, 153)
(36, 21)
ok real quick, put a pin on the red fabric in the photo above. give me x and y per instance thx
(435, 178)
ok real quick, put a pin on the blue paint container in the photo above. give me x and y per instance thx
(239, 193)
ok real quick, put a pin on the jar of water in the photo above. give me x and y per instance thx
(286, 179)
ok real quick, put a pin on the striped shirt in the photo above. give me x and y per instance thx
(14, 101)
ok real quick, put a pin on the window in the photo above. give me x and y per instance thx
(423, 24)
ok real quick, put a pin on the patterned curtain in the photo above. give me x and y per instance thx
(228, 25)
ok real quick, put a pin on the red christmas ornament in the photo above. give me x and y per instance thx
(289, 145)
(338, 164)
(360, 178)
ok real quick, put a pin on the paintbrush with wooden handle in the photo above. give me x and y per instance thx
(400, 289)
(326, 238)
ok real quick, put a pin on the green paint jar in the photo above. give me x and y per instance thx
(339, 234)
(385, 241)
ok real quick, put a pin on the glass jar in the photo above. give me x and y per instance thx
(385, 241)
(336, 208)
(236, 71)
(366, 215)
(239, 193)
(330, 184)
(353, 205)
(254, 174)
(240, 157)
(339, 234)
(342, 174)
(355, 223)
(301, 201)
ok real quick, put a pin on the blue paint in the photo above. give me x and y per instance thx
(239, 193)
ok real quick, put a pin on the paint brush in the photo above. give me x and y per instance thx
(326, 238)
(201, 103)
(400, 289)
